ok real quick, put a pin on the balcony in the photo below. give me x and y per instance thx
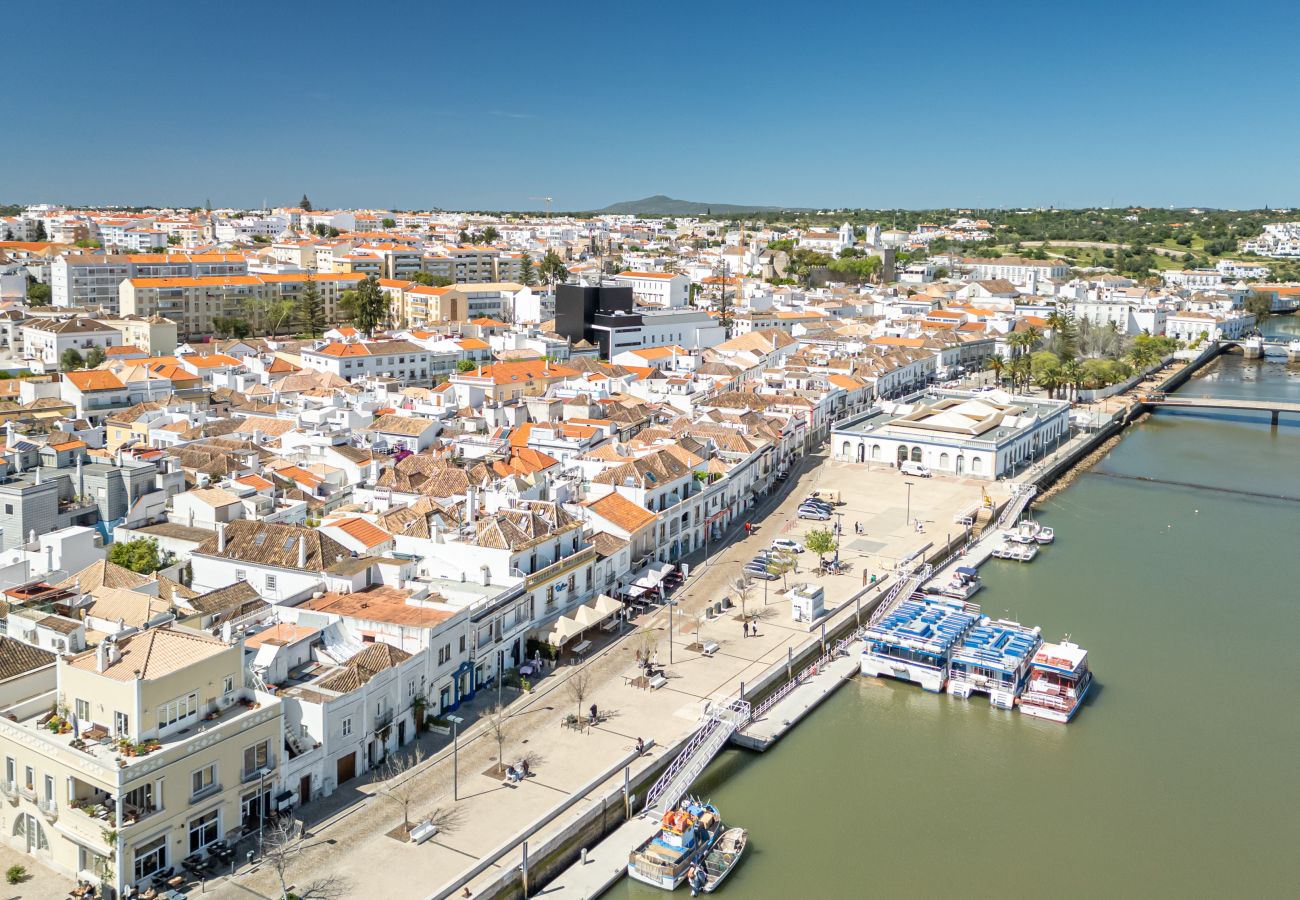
(383, 719)
(560, 567)
(27, 792)
(10, 790)
(49, 810)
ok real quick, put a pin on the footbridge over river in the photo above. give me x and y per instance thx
(1276, 407)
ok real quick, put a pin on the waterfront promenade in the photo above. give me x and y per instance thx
(565, 761)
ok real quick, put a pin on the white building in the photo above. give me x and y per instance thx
(979, 436)
(665, 290)
(401, 360)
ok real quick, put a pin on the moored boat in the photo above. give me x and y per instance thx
(685, 834)
(963, 585)
(1046, 534)
(994, 658)
(722, 857)
(1059, 679)
(916, 640)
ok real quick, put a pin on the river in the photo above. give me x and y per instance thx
(1177, 779)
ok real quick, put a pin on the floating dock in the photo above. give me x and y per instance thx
(765, 730)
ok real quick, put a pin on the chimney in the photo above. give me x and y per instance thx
(49, 558)
(302, 551)
(221, 537)
(114, 651)
(486, 574)
(101, 656)
(471, 501)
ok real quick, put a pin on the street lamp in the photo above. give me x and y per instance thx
(455, 755)
(909, 502)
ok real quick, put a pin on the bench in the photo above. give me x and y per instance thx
(422, 832)
(658, 681)
(710, 648)
(609, 624)
(581, 648)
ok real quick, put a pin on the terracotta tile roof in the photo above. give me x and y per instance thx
(362, 667)
(229, 597)
(379, 604)
(17, 657)
(411, 426)
(154, 654)
(363, 531)
(275, 544)
(94, 380)
(621, 512)
(103, 573)
(279, 635)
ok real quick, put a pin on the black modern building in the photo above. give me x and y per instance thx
(594, 313)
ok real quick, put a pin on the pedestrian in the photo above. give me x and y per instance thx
(744, 627)
(640, 746)
(593, 712)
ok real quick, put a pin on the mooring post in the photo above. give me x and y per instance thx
(789, 663)
(525, 870)
(1275, 415)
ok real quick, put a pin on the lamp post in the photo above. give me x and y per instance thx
(909, 501)
(455, 755)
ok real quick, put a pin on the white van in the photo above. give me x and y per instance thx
(914, 468)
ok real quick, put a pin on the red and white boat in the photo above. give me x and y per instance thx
(1059, 679)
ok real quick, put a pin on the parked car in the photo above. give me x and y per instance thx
(819, 504)
(760, 572)
(788, 545)
(820, 515)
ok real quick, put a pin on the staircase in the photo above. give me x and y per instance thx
(714, 732)
(1019, 503)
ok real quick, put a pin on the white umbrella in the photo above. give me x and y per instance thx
(563, 629)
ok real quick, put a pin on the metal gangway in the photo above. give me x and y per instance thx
(1019, 502)
(717, 724)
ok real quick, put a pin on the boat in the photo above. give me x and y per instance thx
(963, 585)
(1021, 552)
(994, 659)
(1059, 679)
(723, 857)
(685, 834)
(1002, 551)
(915, 641)
(1046, 534)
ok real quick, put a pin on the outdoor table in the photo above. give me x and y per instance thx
(525, 670)
(581, 648)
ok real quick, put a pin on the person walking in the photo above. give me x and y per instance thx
(744, 627)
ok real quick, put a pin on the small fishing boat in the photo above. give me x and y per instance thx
(1046, 534)
(686, 833)
(723, 857)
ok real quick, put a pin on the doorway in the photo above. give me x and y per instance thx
(304, 790)
(347, 767)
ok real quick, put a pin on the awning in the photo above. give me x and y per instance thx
(635, 590)
(586, 616)
(563, 629)
(606, 606)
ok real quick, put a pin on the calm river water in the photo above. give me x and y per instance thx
(1178, 779)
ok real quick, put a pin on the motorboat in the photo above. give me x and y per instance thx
(685, 834)
(1046, 534)
(1059, 679)
(963, 585)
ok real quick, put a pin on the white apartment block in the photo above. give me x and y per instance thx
(1015, 269)
(665, 290)
(1194, 279)
(92, 280)
(402, 360)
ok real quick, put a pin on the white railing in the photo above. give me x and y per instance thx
(720, 721)
(1019, 501)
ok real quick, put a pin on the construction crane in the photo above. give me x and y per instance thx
(548, 204)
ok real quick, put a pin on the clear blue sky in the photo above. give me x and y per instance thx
(484, 105)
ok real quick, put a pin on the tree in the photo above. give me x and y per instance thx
(527, 274)
(1257, 304)
(279, 312)
(240, 329)
(311, 311)
(466, 365)
(782, 563)
(995, 364)
(645, 642)
(1045, 367)
(371, 305)
(139, 555)
(71, 359)
(40, 232)
(281, 846)
(95, 357)
(500, 726)
(820, 541)
(553, 268)
(490, 235)
(305, 204)
(39, 294)
(398, 774)
(577, 687)
(388, 223)
(743, 588)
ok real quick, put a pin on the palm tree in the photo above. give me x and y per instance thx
(995, 364)
(1072, 375)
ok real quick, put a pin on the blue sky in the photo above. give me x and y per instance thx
(485, 105)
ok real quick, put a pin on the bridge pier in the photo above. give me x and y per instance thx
(1275, 415)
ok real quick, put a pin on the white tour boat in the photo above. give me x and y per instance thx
(1059, 679)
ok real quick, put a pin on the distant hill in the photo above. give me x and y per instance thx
(659, 205)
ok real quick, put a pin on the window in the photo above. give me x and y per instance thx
(270, 582)
(241, 575)
(228, 684)
(9, 509)
(30, 780)
(410, 685)
(11, 770)
(178, 710)
(462, 643)
(121, 723)
(203, 780)
(347, 726)
(150, 857)
(203, 831)
(49, 788)
(257, 756)
(83, 712)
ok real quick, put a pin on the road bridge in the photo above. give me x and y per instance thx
(1275, 407)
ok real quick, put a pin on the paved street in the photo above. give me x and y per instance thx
(562, 759)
